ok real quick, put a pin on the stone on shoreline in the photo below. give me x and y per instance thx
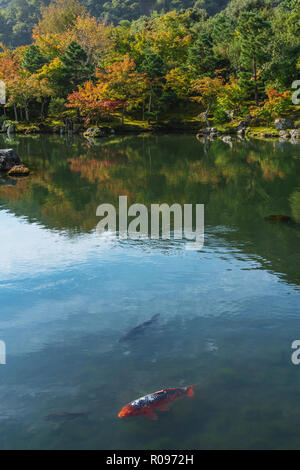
(284, 134)
(208, 131)
(19, 170)
(94, 132)
(295, 134)
(8, 159)
(227, 139)
(241, 131)
(283, 124)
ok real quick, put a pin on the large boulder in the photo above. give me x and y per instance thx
(94, 132)
(227, 139)
(208, 132)
(241, 132)
(284, 134)
(283, 124)
(8, 159)
(11, 129)
(295, 134)
(8, 127)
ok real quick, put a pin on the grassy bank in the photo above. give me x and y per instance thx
(181, 122)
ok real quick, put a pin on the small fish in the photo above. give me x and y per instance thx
(138, 330)
(277, 218)
(65, 416)
(148, 404)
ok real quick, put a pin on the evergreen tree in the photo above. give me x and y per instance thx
(201, 57)
(4, 29)
(20, 17)
(33, 60)
(75, 68)
(153, 65)
(254, 34)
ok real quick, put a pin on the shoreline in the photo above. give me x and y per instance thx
(239, 129)
(258, 134)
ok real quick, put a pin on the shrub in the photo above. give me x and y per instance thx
(57, 106)
(276, 105)
(220, 116)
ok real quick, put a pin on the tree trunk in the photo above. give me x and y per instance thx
(123, 113)
(42, 108)
(16, 113)
(27, 113)
(255, 80)
(206, 114)
(150, 102)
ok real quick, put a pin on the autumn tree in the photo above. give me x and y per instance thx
(23, 90)
(179, 81)
(89, 104)
(93, 37)
(52, 33)
(10, 63)
(231, 97)
(59, 16)
(206, 91)
(169, 37)
(121, 81)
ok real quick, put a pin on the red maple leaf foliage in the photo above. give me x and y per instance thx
(92, 110)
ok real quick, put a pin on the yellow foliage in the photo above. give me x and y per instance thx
(179, 81)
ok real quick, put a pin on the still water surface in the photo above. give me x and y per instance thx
(228, 313)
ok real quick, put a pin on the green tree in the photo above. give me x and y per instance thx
(75, 68)
(21, 16)
(33, 60)
(201, 58)
(5, 30)
(153, 66)
(280, 68)
(254, 33)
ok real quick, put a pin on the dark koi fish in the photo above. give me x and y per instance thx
(277, 218)
(148, 404)
(138, 330)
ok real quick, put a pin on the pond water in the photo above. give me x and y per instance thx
(228, 313)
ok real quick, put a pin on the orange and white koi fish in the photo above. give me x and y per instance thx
(148, 404)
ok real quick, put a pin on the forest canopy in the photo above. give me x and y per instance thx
(17, 17)
(102, 59)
